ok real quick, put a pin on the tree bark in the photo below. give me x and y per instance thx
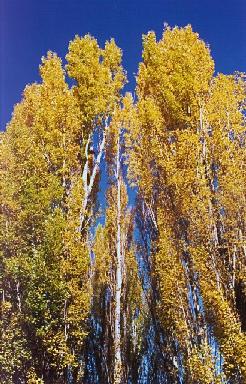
(88, 189)
(118, 287)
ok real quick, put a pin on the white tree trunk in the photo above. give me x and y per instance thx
(118, 287)
(88, 188)
(86, 167)
(213, 227)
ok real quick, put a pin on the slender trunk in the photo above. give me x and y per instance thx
(18, 295)
(88, 189)
(213, 226)
(234, 268)
(118, 288)
(242, 242)
(86, 168)
(152, 215)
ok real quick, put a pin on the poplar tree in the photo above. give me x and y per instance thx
(155, 293)
(115, 340)
(49, 180)
(186, 137)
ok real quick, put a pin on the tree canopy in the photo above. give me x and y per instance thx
(113, 290)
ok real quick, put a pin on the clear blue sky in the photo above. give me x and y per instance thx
(31, 27)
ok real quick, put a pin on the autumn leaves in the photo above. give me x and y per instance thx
(152, 295)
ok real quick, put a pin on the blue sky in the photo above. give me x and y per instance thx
(29, 28)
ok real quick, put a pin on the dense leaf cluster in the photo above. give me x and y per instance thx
(157, 293)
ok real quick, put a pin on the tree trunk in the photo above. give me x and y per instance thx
(118, 287)
(88, 189)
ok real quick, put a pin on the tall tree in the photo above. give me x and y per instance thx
(116, 285)
(157, 293)
(173, 139)
(48, 193)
